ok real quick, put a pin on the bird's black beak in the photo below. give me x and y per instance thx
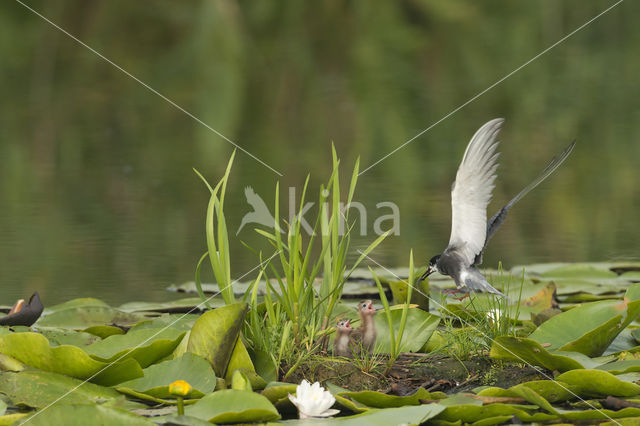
(430, 270)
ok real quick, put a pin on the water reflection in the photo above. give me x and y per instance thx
(96, 188)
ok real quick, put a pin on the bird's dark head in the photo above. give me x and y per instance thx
(433, 266)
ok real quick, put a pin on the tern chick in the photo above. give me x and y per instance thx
(341, 344)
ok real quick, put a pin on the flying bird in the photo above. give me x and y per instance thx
(470, 195)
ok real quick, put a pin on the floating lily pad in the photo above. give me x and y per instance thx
(519, 349)
(81, 414)
(103, 331)
(191, 368)
(589, 328)
(67, 337)
(621, 367)
(598, 383)
(233, 406)
(33, 349)
(579, 270)
(474, 413)
(215, 333)
(188, 305)
(419, 327)
(382, 400)
(179, 321)
(81, 317)
(145, 346)
(38, 389)
(551, 390)
(412, 415)
(241, 361)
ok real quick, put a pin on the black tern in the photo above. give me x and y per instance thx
(470, 195)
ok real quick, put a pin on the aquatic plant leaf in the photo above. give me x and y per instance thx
(233, 406)
(60, 336)
(38, 389)
(620, 367)
(543, 299)
(598, 383)
(215, 333)
(3, 407)
(103, 331)
(600, 414)
(474, 413)
(419, 327)
(75, 303)
(520, 349)
(344, 403)
(191, 368)
(579, 270)
(146, 346)
(182, 322)
(9, 363)
(275, 391)
(589, 328)
(551, 390)
(181, 306)
(411, 415)
(382, 400)
(81, 317)
(80, 414)
(33, 349)
(533, 397)
(241, 361)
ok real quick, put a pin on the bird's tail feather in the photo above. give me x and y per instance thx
(499, 217)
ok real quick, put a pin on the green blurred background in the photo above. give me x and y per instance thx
(97, 193)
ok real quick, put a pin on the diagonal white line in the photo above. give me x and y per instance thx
(146, 86)
(492, 86)
(198, 306)
(492, 340)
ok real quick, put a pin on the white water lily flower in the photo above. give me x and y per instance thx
(313, 401)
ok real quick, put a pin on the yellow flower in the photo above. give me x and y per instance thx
(180, 388)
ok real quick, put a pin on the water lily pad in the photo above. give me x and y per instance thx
(59, 336)
(419, 327)
(103, 331)
(33, 349)
(191, 368)
(551, 390)
(188, 305)
(529, 351)
(598, 383)
(38, 389)
(474, 413)
(81, 317)
(241, 361)
(579, 270)
(145, 346)
(9, 363)
(589, 328)
(80, 414)
(215, 333)
(233, 406)
(382, 400)
(411, 415)
(182, 322)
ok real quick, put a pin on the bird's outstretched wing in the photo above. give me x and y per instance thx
(496, 220)
(471, 192)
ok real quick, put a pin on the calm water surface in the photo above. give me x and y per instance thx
(97, 193)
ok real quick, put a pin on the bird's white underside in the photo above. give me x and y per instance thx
(472, 190)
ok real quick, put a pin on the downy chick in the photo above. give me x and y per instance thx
(366, 334)
(343, 337)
